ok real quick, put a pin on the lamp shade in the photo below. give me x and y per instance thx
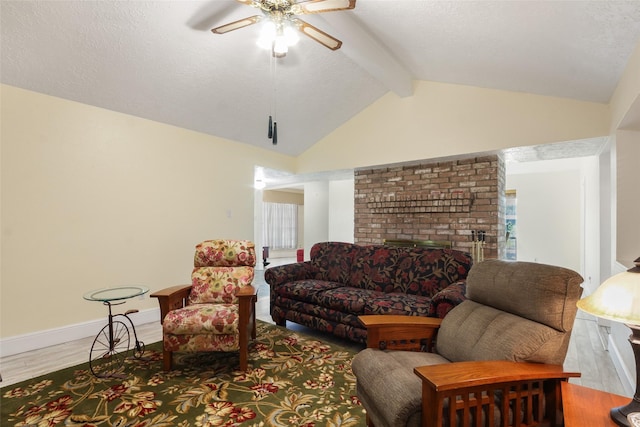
(617, 298)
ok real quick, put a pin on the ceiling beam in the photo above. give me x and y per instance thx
(366, 51)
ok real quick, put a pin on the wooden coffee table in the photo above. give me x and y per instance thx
(587, 407)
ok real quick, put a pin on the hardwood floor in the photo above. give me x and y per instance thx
(586, 353)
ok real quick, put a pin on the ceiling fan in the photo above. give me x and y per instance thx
(279, 32)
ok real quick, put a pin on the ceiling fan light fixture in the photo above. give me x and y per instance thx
(267, 35)
(277, 37)
(281, 18)
(291, 36)
(280, 46)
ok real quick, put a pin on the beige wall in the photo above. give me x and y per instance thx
(92, 198)
(628, 202)
(625, 126)
(443, 120)
(627, 92)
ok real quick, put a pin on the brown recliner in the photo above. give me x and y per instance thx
(498, 356)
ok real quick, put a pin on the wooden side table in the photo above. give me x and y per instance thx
(587, 407)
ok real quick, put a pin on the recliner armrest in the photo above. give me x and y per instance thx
(399, 332)
(246, 291)
(522, 387)
(171, 298)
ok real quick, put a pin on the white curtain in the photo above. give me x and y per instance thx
(280, 230)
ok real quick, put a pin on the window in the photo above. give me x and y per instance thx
(280, 229)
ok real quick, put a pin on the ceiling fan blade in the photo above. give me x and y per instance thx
(317, 34)
(235, 25)
(319, 6)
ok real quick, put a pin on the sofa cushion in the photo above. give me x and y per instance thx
(513, 286)
(397, 303)
(332, 261)
(374, 268)
(424, 271)
(305, 290)
(346, 299)
(473, 331)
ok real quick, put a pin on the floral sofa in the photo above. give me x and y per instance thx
(344, 280)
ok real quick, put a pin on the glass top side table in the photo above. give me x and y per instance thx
(115, 294)
(111, 346)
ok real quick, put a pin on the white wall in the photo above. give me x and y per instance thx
(316, 219)
(591, 233)
(300, 226)
(341, 210)
(329, 212)
(552, 197)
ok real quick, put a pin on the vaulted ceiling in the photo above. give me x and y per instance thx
(158, 60)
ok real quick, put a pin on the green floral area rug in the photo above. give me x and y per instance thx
(292, 380)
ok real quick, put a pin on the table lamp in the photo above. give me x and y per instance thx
(618, 299)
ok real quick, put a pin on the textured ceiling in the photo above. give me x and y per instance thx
(158, 60)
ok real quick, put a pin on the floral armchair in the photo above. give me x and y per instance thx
(216, 312)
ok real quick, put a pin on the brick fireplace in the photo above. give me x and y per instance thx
(433, 201)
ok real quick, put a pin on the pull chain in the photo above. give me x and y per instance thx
(272, 132)
(274, 140)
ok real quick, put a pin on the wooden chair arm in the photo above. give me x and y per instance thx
(171, 298)
(400, 332)
(473, 385)
(247, 305)
(246, 291)
(456, 375)
(176, 297)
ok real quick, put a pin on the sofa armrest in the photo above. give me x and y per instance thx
(400, 332)
(280, 274)
(501, 385)
(171, 298)
(444, 300)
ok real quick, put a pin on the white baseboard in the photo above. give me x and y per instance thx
(618, 268)
(41, 339)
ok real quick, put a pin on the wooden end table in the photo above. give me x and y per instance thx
(588, 407)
